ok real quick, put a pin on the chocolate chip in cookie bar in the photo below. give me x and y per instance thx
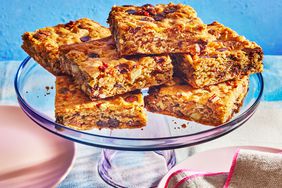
(160, 29)
(211, 105)
(74, 109)
(101, 73)
(228, 57)
(43, 44)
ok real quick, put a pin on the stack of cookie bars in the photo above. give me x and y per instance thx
(193, 71)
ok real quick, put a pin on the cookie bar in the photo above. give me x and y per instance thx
(229, 56)
(160, 29)
(74, 109)
(212, 105)
(42, 45)
(101, 73)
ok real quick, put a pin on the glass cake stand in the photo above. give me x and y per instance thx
(130, 157)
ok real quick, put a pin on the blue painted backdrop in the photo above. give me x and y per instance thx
(260, 21)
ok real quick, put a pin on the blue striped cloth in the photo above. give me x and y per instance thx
(84, 172)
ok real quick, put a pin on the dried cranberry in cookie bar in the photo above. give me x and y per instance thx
(101, 73)
(211, 105)
(229, 56)
(42, 45)
(74, 109)
(160, 29)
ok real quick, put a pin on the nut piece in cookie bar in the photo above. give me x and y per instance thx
(74, 109)
(42, 45)
(229, 56)
(211, 105)
(160, 29)
(101, 73)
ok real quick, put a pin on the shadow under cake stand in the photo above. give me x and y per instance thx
(130, 157)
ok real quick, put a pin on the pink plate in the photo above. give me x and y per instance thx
(217, 160)
(29, 155)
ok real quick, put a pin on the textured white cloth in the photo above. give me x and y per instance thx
(255, 169)
(249, 168)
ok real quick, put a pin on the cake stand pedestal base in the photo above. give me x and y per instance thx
(135, 168)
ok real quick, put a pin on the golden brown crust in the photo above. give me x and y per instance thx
(212, 105)
(43, 44)
(229, 56)
(74, 109)
(159, 29)
(96, 66)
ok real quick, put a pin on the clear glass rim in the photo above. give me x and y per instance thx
(235, 121)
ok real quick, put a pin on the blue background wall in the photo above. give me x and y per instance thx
(260, 21)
